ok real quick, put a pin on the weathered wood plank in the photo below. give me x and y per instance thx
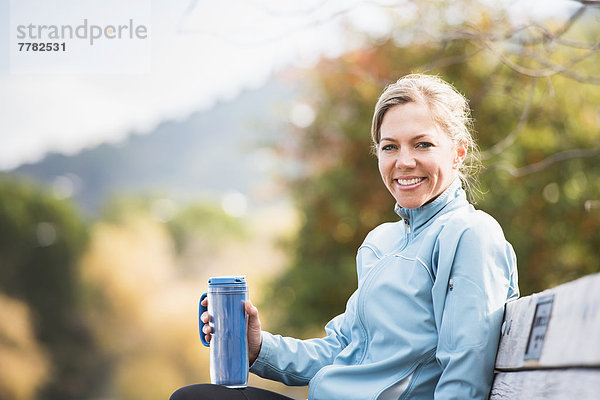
(579, 384)
(572, 332)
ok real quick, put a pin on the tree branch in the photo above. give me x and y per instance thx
(568, 24)
(229, 38)
(551, 69)
(548, 161)
(554, 38)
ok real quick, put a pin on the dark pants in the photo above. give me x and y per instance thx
(208, 391)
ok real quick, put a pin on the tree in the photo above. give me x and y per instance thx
(533, 90)
(41, 239)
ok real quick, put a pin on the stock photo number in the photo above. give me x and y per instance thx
(34, 46)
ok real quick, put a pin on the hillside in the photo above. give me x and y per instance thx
(210, 153)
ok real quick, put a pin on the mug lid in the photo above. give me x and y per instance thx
(227, 280)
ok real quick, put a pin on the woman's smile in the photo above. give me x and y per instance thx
(408, 183)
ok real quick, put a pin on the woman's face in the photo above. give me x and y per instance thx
(417, 160)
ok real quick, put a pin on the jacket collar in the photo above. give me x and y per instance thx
(416, 218)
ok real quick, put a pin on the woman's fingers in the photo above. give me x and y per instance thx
(204, 317)
(254, 331)
(253, 319)
(206, 328)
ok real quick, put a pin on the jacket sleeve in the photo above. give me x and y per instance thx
(476, 276)
(294, 361)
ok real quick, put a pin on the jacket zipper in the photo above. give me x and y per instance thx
(369, 278)
(406, 219)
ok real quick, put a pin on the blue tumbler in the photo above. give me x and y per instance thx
(229, 322)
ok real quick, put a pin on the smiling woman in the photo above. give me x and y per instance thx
(424, 321)
(433, 108)
(417, 160)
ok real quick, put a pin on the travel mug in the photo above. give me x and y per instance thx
(229, 322)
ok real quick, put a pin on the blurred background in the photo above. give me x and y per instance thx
(244, 149)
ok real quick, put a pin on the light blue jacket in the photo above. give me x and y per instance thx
(425, 320)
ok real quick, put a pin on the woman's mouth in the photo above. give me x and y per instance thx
(408, 181)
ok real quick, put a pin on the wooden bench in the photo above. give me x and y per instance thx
(550, 345)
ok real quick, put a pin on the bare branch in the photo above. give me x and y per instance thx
(474, 34)
(249, 39)
(555, 38)
(570, 22)
(592, 48)
(548, 161)
(447, 61)
(581, 78)
(471, 35)
(551, 69)
(565, 69)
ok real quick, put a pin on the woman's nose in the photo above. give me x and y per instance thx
(405, 159)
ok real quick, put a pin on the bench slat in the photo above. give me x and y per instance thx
(580, 384)
(572, 333)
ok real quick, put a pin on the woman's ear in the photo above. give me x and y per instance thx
(461, 154)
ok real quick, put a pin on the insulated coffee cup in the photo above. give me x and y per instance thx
(228, 319)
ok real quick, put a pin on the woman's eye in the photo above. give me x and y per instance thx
(424, 145)
(388, 147)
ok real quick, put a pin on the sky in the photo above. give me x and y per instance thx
(191, 54)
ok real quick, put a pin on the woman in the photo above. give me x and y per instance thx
(424, 322)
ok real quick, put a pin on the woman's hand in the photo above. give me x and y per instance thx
(254, 331)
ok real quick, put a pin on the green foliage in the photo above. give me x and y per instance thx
(200, 220)
(208, 221)
(542, 210)
(41, 239)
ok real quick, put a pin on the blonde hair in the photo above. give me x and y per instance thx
(449, 110)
